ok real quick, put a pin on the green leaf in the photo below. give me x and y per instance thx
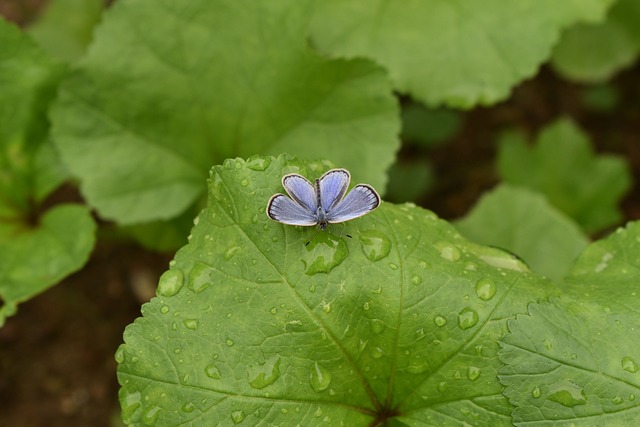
(251, 325)
(35, 258)
(595, 52)
(147, 112)
(66, 26)
(562, 166)
(575, 359)
(429, 127)
(457, 52)
(36, 251)
(524, 223)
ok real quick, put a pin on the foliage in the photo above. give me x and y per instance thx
(562, 166)
(524, 223)
(595, 52)
(36, 249)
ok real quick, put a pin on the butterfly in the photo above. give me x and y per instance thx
(323, 202)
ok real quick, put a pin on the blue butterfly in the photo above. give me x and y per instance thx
(321, 203)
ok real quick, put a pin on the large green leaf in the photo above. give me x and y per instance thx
(251, 325)
(524, 223)
(576, 359)
(594, 52)
(170, 87)
(66, 26)
(563, 167)
(457, 52)
(36, 249)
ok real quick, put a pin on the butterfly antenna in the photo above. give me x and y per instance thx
(311, 238)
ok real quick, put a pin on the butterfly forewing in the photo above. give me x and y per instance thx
(301, 190)
(333, 186)
(361, 200)
(282, 209)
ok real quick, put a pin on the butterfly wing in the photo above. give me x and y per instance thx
(333, 186)
(361, 200)
(282, 209)
(301, 191)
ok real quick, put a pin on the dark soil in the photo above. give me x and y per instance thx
(56, 354)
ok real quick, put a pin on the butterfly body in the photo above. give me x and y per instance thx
(322, 203)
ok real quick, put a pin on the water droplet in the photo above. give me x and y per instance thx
(416, 280)
(324, 253)
(467, 318)
(375, 245)
(212, 371)
(536, 393)
(485, 289)
(366, 306)
(257, 163)
(377, 353)
(548, 345)
(229, 342)
(632, 397)
(229, 253)
(312, 288)
(130, 404)
(420, 333)
(265, 374)
(191, 323)
(120, 356)
(447, 250)
(150, 417)
(273, 310)
(439, 320)
(199, 277)
(318, 412)
(237, 416)
(419, 368)
(617, 400)
(629, 365)
(567, 394)
(164, 309)
(393, 266)
(170, 282)
(244, 182)
(319, 377)
(188, 407)
(326, 307)
(442, 386)
(473, 373)
(377, 326)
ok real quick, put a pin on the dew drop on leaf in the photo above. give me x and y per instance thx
(319, 377)
(485, 289)
(324, 253)
(265, 374)
(567, 394)
(547, 345)
(629, 365)
(119, 356)
(150, 417)
(188, 407)
(439, 320)
(229, 342)
(164, 309)
(237, 416)
(170, 282)
(375, 245)
(326, 307)
(377, 326)
(191, 324)
(473, 373)
(366, 306)
(442, 386)
(420, 333)
(617, 400)
(258, 163)
(467, 318)
(273, 310)
(230, 253)
(199, 277)
(393, 266)
(244, 182)
(377, 353)
(212, 371)
(536, 393)
(416, 280)
(447, 250)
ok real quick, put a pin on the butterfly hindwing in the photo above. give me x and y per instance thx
(282, 209)
(361, 200)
